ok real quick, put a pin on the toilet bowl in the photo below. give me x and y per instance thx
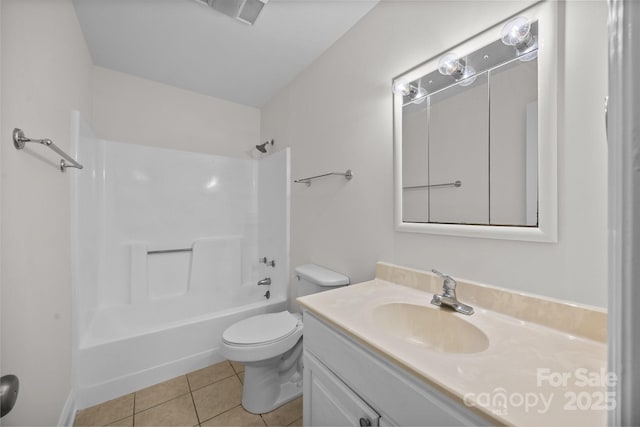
(270, 346)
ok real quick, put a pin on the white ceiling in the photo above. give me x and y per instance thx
(189, 45)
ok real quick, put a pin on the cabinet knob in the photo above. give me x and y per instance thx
(365, 422)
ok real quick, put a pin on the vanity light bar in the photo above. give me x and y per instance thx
(412, 100)
(492, 56)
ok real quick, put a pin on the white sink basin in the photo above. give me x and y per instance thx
(433, 328)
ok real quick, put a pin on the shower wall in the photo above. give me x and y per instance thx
(162, 200)
(274, 195)
(142, 201)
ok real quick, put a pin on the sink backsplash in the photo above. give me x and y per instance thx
(569, 317)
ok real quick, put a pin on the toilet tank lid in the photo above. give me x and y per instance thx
(321, 276)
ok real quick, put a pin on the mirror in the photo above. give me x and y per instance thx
(475, 135)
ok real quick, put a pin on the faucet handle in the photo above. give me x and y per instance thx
(264, 260)
(438, 273)
(444, 276)
(449, 282)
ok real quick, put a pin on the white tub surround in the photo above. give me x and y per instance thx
(526, 355)
(166, 248)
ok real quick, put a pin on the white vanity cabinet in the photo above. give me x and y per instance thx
(332, 403)
(347, 384)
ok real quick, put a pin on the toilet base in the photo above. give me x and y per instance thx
(256, 403)
(269, 384)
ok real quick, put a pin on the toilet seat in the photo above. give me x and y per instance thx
(261, 329)
(261, 337)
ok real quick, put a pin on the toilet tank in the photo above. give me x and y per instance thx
(313, 278)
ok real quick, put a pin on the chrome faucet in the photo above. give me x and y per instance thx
(266, 281)
(448, 296)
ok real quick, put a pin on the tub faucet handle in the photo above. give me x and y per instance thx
(264, 260)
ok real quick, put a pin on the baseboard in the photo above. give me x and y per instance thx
(68, 413)
(86, 396)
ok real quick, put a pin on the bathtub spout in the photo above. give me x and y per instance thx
(266, 281)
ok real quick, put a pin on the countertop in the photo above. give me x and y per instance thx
(530, 375)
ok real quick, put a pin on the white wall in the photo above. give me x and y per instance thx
(46, 71)
(338, 114)
(131, 109)
(86, 219)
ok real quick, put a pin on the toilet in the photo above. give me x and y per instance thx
(270, 346)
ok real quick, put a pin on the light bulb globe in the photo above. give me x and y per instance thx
(402, 87)
(449, 63)
(516, 31)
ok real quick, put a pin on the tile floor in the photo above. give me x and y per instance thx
(207, 397)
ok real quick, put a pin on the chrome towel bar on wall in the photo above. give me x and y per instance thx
(348, 175)
(448, 184)
(19, 141)
(169, 251)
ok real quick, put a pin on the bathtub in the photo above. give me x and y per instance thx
(131, 347)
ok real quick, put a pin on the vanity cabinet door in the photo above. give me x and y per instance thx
(329, 402)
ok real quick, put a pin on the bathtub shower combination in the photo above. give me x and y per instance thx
(166, 250)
